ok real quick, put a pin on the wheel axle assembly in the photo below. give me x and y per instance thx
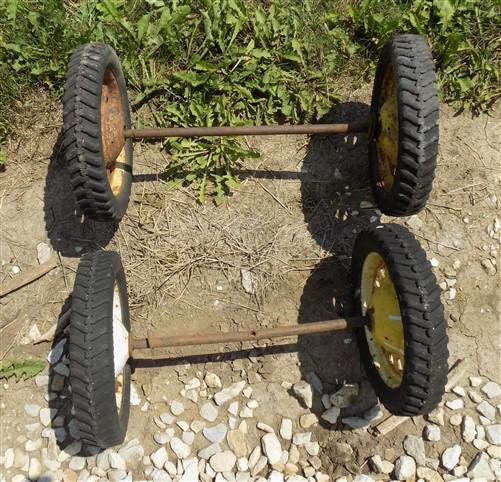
(396, 314)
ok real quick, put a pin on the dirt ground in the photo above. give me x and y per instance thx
(288, 232)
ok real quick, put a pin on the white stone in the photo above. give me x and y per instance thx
(261, 464)
(480, 468)
(414, 446)
(191, 385)
(208, 411)
(491, 389)
(432, 432)
(188, 437)
(313, 448)
(77, 463)
(215, 434)
(159, 457)
(475, 381)
(308, 420)
(304, 392)
(32, 445)
(405, 468)
(493, 434)
(32, 410)
(8, 458)
(286, 429)
(46, 415)
(237, 441)
(331, 415)
(243, 464)
(227, 394)
(468, 430)
(436, 416)
(116, 461)
(450, 457)
(428, 475)
(494, 452)
(455, 404)
(197, 425)
(301, 438)
(459, 391)
(252, 404)
(481, 444)
(190, 473)
(271, 447)
(364, 478)
(355, 422)
(44, 252)
(345, 396)
(246, 412)
(212, 380)
(176, 407)
(56, 352)
(181, 449)
(487, 410)
(170, 468)
(381, 466)
(275, 476)
(223, 461)
(233, 408)
(456, 419)
(326, 401)
(247, 391)
(254, 456)
(207, 452)
(264, 427)
(474, 396)
(135, 399)
(167, 418)
(35, 470)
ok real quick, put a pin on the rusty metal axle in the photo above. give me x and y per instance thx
(361, 126)
(209, 338)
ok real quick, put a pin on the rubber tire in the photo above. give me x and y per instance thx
(92, 376)
(425, 329)
(418, 112)
(82, 132)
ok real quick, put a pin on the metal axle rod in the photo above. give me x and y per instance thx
(361, 126)
(209, 338)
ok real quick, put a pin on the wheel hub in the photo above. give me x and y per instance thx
(112, 130)
(385, 336)
(387, 134)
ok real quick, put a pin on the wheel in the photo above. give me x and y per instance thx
(95, 114)
(404, 349)
(403, 143)
(99, 350)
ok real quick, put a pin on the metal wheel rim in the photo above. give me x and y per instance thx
(385, 335)
(112, 130)
(387, 132)
(120, 346)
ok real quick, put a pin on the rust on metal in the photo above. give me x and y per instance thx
(361, 126)
(112, 129)
(210, 338)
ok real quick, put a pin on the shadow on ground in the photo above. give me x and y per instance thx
(337, 204)
(70, 233)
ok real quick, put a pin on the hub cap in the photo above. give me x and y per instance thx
(112, 130)
(385, 335)
(120, 346)
(387, 133)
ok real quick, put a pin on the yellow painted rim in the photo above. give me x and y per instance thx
(387, 135)
(385, 335)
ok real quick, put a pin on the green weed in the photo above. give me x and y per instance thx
(464, 35)
(21, 368)
(235, 62)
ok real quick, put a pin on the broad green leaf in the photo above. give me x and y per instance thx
(20, 369)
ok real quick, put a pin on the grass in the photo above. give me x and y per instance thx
(234, 62)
